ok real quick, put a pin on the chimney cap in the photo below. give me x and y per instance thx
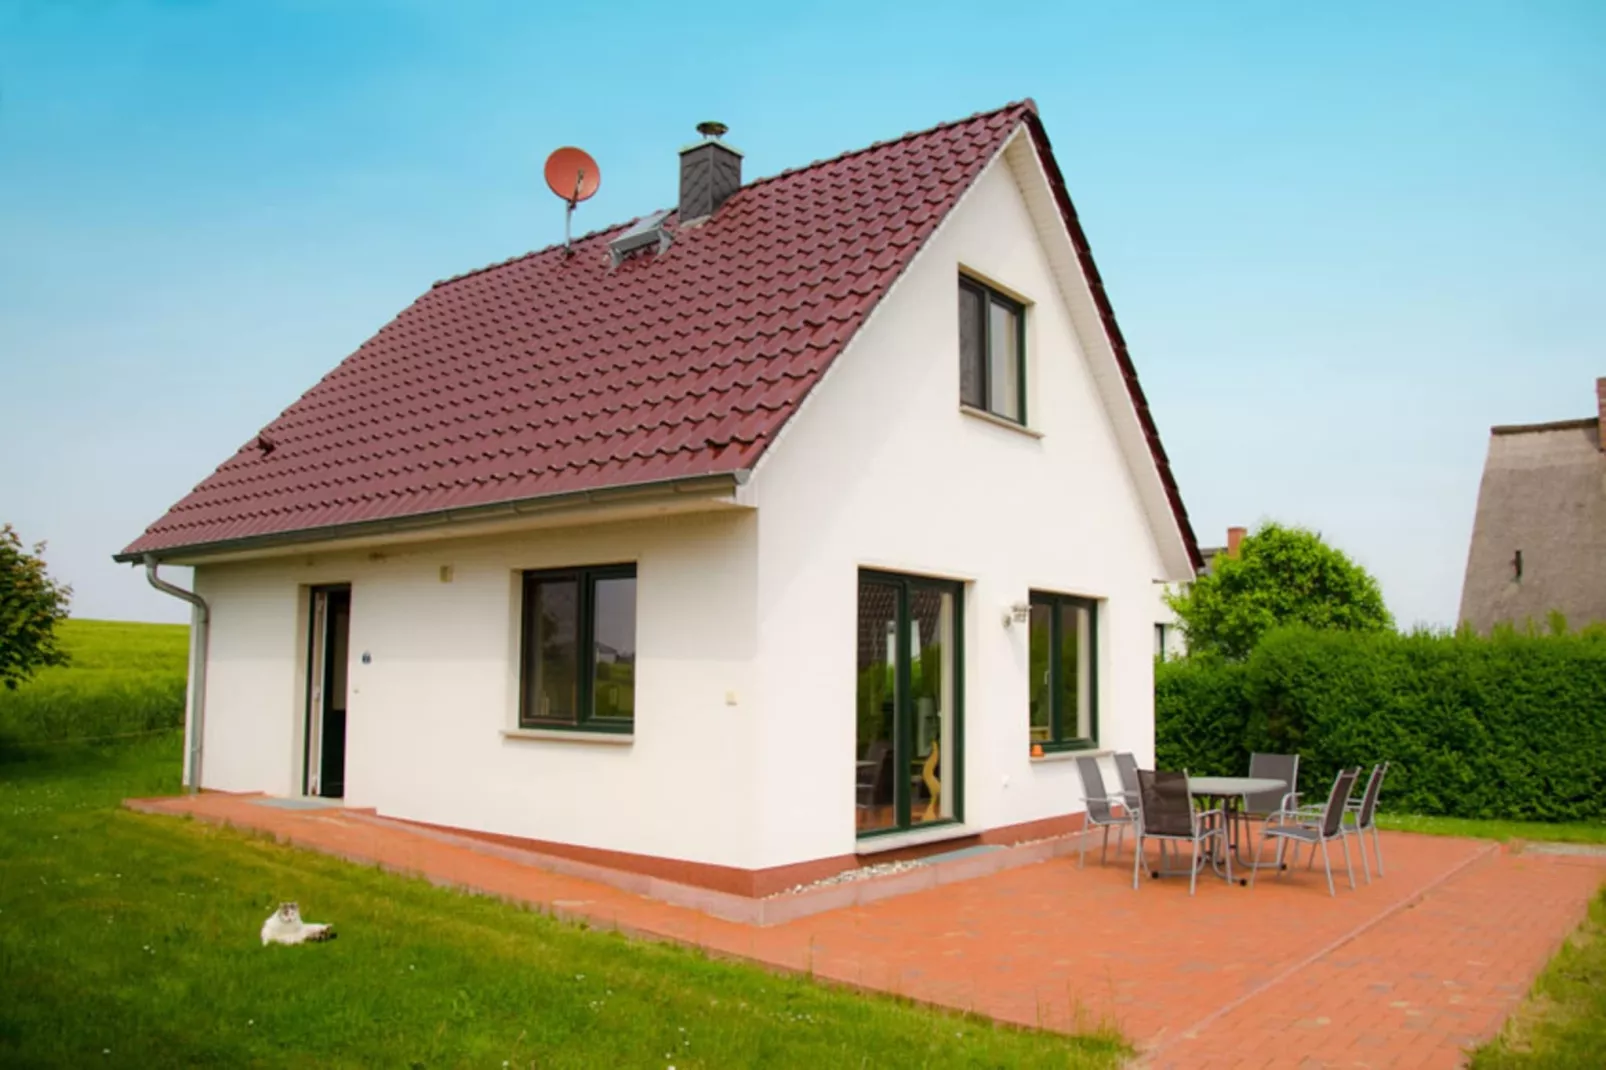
(711, 129)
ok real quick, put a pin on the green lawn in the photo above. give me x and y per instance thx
(129, 940)
(123, 678)
(1563, 1024)
(1503, 831)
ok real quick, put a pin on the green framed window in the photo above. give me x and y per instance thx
(578, 649)
(992, 351)
(1063, 662)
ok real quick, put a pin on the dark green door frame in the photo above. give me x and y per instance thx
(903, 720)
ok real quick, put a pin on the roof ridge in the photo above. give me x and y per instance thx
(1025, 102)
(1581, 423)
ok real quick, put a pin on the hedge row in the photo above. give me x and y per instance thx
(1508, 726)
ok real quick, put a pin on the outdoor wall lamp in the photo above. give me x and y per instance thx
(1018, 614)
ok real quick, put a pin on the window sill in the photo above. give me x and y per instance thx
(1068, 754)
(571, 735)
(993, 418)
(892, 841)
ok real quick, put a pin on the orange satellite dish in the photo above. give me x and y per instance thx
(572, 174)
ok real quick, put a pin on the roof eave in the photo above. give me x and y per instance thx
(446, 521)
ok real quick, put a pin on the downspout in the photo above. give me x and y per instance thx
(203, 618)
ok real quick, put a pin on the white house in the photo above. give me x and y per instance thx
(818, 518)
(1170, 641)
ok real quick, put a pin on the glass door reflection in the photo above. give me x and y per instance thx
(908, 725)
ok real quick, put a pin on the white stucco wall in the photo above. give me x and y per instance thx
(1176, 644)
(881, 469)
(425, 716)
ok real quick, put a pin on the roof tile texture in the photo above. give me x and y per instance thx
(556, 373)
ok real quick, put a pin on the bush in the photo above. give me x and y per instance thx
(1510, 726)
(1279, 577)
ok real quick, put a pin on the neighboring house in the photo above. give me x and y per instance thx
(1539, 539)
(1169, 639)
(781, 540)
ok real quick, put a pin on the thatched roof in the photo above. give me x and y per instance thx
(1539, 540)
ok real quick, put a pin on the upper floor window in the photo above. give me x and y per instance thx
(579, 657)
(992, 351)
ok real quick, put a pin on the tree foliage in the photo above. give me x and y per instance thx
(30, 605)
(1280, 576)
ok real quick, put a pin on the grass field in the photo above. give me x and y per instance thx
(1562, 1026)
(1504, 831)
(131, 941)
(123, 678)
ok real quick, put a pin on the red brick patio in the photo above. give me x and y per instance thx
(1406, 972)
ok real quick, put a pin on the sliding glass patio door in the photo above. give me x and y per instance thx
(909, 716)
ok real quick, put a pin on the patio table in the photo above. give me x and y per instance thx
(1231, 791)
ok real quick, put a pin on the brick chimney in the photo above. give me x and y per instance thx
(1600, 408)
(1235, 536)
(710, 171)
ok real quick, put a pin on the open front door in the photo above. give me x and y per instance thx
(324, 772)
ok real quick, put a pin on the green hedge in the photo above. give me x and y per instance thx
(1510, 726)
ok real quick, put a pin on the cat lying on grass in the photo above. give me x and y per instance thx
(284, 926)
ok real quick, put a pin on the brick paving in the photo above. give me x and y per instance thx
(1405, 972)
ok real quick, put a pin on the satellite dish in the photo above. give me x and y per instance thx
(572, 174)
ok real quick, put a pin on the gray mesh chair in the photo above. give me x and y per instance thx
(1099, 812)
(1127, 766)
(1259, 806)
(1365, 815)
(1284, 767)
(1293, 827)
(1167, 815)
(1360, 816)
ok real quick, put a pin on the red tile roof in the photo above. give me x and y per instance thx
(552, 374)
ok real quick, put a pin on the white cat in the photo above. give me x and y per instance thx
(284, 926)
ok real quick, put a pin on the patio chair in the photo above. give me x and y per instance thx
(1365, 815)
(1167, 815)
(1361, 815)
(1259, 806)
(1284, 767)
(874, 781)
(1099, 812)
(1127, 767)
(1293, 827)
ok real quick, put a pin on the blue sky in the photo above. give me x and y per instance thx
(1342, 240)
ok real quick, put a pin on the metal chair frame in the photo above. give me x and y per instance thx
(1293, 826)
(1099, 812)
(1165, 798)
